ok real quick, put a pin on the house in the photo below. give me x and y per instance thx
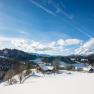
(73, 59)
(81, 66)
(45, 67)
(84, 60)
(91, 70)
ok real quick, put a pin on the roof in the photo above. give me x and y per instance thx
(80, 65)
(46, 67)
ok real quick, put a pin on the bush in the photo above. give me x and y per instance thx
(9, 74)
(12, 81)
(70, 68)
(27, 72)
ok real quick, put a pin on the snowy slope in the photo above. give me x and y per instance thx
(75, 83)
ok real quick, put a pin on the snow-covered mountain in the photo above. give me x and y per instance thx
(88, 52)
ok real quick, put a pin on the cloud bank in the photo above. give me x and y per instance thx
(59, 47)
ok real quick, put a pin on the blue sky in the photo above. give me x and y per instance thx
(46, 21)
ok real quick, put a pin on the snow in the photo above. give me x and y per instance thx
(65, 83)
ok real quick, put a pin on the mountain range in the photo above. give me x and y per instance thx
(24, 56)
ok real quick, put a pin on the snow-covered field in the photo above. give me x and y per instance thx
(75, 83)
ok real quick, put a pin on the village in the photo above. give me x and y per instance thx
(78, 66)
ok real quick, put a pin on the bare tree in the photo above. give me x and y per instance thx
(21, 68)
(8, 76)
(20, 76)
(56, 65)
(28, 69)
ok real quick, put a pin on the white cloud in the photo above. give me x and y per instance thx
(17, 43)
(72, 42)
(51, 45)
(20, 44)
(35, 44)
(57, 47)
(61, 42)
(68, 42)
(89, 44)
(42, 47)
(30, 46)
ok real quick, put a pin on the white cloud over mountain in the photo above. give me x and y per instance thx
(60, 47)
(86, 47)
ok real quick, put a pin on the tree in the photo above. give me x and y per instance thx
(56, 65)
(20, 76)
(8, 76)
(21, 68)
(28, 69)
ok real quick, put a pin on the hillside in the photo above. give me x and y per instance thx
(76, 83)
(27, 57)
(14, 59)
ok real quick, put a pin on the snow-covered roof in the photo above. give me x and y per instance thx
(45, 67)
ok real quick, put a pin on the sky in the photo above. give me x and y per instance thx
(56, 27)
